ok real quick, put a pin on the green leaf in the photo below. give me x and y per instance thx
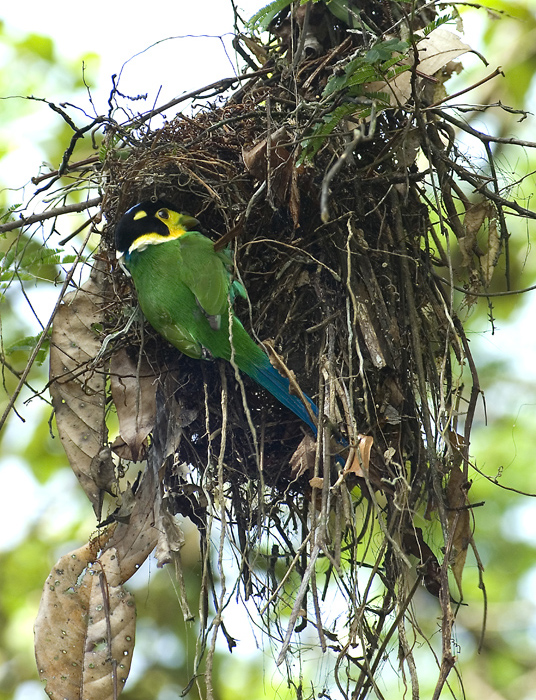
(27, 345)
(263, 17)
(433, 25)
(353, 74)
(385, 49)
(367, 69)
(9, 275)
(340, 9)
(364, 74)
(37, 46)
(315, 141)
(7, 215)
(36, 255)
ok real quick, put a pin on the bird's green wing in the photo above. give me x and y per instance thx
(205, 272)
(178, 336)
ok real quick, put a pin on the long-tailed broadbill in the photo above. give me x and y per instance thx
(185, 291)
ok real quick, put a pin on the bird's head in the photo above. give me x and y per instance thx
(150, 223)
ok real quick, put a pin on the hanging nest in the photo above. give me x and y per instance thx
(351, 304)
(334, 176)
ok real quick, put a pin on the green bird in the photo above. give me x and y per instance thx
(185, 291)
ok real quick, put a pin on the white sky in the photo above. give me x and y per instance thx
(117, 31)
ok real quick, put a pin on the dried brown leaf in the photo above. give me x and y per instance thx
(303, 459)
(102, 471)
(280, 161)
(84, 632)
(459, 519)
(361, 458)
(373, 341)
(435, 51)
(491, 256)
(257, 49)
(171, 538)
(475, 215)
(76, 388)
(135, 539)
(295, 197)
(429, 568)
(133, 387)
(170, 542)
(439, 48)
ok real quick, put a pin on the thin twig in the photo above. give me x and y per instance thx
(296, 608)
(326, 182)
(50, 214)
(219, 86)
(470, 293)
(496, 72)
(71, 166)
(43, 335)
(488, 138)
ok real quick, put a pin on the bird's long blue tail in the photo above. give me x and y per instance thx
(268, 377)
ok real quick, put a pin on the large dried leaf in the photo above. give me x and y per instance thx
(490, 258)
(77, 389)
(475, 216)
(435, 51)
(429, 568)
(303, 459)
(135, 539)
(361, 456)
(439, 48)
(459, 521)
(269, 160)
(474, 220)
(84, 632)
(133, 385)
(170, 539)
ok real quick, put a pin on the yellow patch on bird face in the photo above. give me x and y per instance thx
(176, 225)
(147, 239)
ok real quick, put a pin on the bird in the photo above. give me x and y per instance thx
(186, 292)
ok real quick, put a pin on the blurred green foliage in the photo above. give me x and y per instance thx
(34, 520)
(503, 450)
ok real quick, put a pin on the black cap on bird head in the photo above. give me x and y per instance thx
(138, 221)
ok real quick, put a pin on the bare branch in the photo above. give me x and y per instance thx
(50, 214)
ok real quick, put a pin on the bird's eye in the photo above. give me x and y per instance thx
(162, 214)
